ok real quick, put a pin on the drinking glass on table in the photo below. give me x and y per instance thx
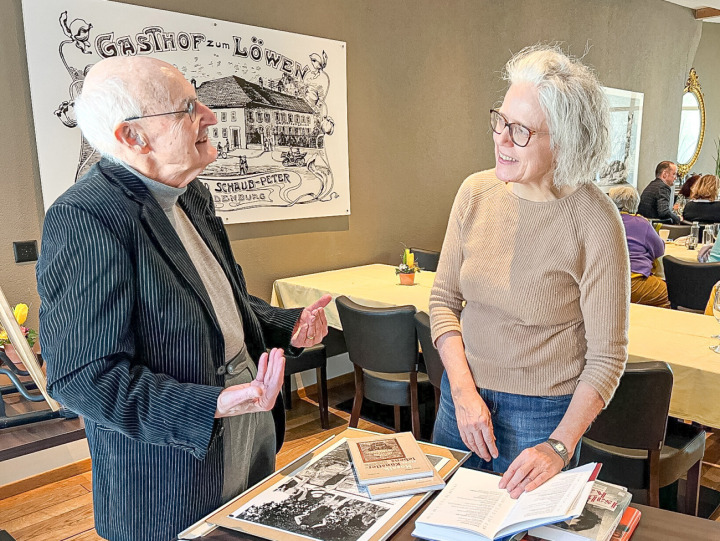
(708, 234)
(716, 313)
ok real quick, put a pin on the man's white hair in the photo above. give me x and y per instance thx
(104, 104)
(575, 107)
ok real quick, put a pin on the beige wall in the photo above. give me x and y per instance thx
(421, 77)
(706, 65)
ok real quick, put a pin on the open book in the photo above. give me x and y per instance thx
(473, 508)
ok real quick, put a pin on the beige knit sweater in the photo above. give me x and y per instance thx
(546, 287)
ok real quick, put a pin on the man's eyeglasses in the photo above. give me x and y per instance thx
(191, 110)
(519, 134)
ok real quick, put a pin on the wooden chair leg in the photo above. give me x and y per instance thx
(414, 405)
(654, 482)
(321, 372)
(692, 488)
(287, 392)
(357, 401)
(396, 411)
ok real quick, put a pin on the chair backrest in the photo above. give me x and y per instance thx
(379, 339)
(637, 415)
(676, 230)
(688, 283)
(426, 259)
(433, 363)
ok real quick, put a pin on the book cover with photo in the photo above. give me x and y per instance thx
(388, 457)
(598, 521)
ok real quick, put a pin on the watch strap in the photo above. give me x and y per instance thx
(560, 449)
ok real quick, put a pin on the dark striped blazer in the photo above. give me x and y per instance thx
(132, 343)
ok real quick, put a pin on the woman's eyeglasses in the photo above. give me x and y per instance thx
(519, 134)
(191, 110)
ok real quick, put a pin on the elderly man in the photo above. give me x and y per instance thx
(656, 199)
(147, 326)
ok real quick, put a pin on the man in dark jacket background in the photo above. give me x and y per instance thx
(655, 201)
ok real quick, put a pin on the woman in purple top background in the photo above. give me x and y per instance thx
(644, 246)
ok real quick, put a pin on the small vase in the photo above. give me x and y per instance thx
(12, 354)
(407, 279)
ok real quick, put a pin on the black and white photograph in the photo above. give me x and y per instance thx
(323, 501)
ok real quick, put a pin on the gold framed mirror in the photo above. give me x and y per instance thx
(692, 125)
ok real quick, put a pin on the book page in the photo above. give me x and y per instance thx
(471, 501)
(555, 498)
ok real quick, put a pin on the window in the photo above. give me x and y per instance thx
(267, 117)
(277, 116)
(233, 116)
(224, 132)
(249, 116)
(215, 133)
(223, 117)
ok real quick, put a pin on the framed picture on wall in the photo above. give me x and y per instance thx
(626, 109)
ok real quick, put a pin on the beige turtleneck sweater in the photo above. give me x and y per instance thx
(546, 289)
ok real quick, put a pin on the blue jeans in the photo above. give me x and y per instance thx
(519, 422)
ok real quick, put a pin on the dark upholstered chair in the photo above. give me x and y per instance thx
(689, 284)
(676, 230)
(426, 259)
(637, 445)
(383, 347)
(312, 357)
(431, 356)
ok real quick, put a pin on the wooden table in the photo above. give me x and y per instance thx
(681, 339)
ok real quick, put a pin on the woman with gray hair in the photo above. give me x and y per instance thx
(644, 246)
(533, 335)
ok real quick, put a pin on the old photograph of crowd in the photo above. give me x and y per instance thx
(324, 501)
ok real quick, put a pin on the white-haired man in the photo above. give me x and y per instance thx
(147, 326)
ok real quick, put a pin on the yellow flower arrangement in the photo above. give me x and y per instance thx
(20, 312)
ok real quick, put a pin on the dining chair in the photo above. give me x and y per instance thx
(383, 347)
(639, 447)
(430, 355)
(312, 357)
(689, 283)
(676, 230)
(426, 259)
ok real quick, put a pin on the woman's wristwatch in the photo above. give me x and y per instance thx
(560, 449)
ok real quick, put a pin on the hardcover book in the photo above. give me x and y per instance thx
(600, 517)
(473, 508)
(385, 458)
(395, 489)
(628, 523)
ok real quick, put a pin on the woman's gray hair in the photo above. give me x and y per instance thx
(575, 107)
(626, 198)
(107, 103)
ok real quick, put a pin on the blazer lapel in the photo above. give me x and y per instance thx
(160, 229)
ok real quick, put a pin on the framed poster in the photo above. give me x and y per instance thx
(317, 497)
(280, 100)
(625, 123)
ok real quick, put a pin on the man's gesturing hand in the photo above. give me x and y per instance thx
(311, 327)
(258, 395)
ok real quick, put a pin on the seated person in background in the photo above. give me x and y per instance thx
(655, 202)
(644, 246)
(703, 206)
(684, 193)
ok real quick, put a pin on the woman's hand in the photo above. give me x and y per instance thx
(475, 423)
(530, 469)
(258, 395)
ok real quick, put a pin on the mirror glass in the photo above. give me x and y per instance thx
(692, 125)
(689, 128)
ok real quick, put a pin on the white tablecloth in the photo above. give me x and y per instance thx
(681, 339)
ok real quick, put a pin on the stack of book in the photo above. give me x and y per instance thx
(606, 516)
(392, 465)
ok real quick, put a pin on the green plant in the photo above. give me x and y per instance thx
(717, 157)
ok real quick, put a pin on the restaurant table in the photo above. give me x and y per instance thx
(681, 339)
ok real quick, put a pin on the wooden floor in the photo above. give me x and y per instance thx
(63, 510)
